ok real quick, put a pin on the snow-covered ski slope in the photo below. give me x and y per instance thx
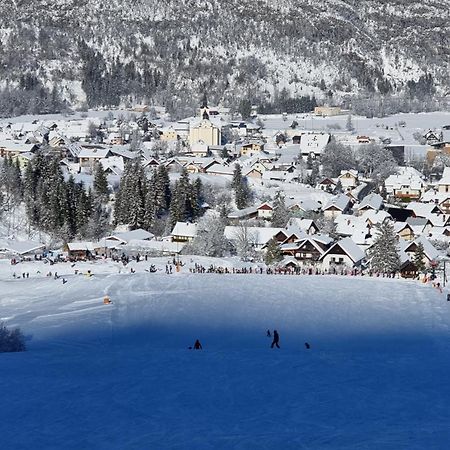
(121, 376)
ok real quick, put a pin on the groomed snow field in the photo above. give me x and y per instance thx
(121, 376)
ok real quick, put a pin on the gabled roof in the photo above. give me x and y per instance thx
(241, 213)
(127, 236)
(373, 201)
(349, 248)
(430, 252)
(302, 224)
(185, 229)
(339, 202)
(20, 247)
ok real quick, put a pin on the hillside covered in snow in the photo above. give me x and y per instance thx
(170, 52)
(121, 375)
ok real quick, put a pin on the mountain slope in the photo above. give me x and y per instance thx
(114, 50)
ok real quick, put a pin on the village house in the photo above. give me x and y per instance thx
(23, 249)
(371, 202)
(327, 185)
(251, 148)
(265, 211)
(243, 214)
(410, 249)
(407, 185)
(313, 144)
(306, 225)
(444, 182)
(169, 135)
(80, 251)
(327, 111)
(184, 232)
(348, 179)
(14, 148)
(90, 156)
(342, 254)
(404, 230)
(309, 250)
(199, 149)
(23, 159)
(336, 206)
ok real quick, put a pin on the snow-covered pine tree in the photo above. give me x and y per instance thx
(419, 256)
(177, 205)
(163, 192)
(241, 188)
(197, 198)
(384, 254)
(281, 213)
(273, 253)
(210, 239)
(84, 208)
(150, 205)
(98, 223)
(101, 188)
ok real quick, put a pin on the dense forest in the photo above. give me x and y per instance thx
(106, 53)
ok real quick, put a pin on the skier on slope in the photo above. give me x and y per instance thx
(197, 345)
(276, 339)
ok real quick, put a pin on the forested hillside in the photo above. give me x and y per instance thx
(108, 52)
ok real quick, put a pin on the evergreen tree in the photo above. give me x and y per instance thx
(273, 252)
(98, 223)
(281, 213)
(101, 188)
(183, 198)
(163, 192)
(419, 256)
(241, 188)
(210, 239)
(384, 254)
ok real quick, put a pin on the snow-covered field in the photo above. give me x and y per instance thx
(121, 376)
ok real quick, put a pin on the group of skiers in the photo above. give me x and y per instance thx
(275, 341)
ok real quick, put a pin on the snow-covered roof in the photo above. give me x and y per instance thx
(20, 247)
(81, 246)
(133, 234)
(16, 146)
(94, 152)
(429, 250)
(340, 202)
(445, 180)
(314, 143)
(373, 200)
(167, 247)
(349, 247)
(240, 213)
(185, 229)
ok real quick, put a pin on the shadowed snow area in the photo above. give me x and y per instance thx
(121, 376)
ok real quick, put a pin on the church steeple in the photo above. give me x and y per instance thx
(204, 108)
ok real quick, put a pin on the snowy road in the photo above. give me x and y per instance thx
(121, 377)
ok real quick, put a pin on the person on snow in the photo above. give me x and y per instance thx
(197, 345)
(269, 333)
(276, 339)
(307, 346)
